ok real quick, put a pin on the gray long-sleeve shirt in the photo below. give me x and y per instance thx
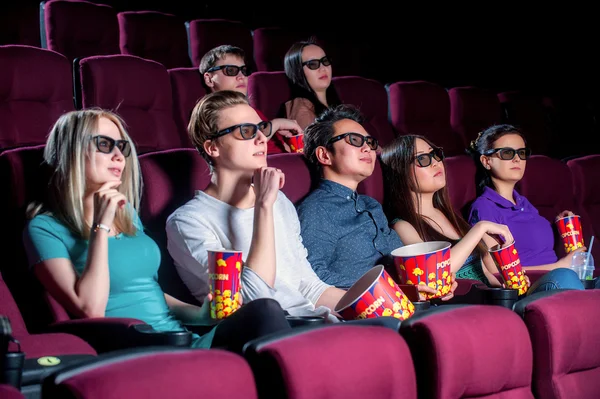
(206, 223)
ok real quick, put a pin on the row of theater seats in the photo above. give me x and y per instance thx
(545, 348)
(78, 29)
(172, 176)
(156, 103)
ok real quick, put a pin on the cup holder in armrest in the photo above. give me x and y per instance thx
(500, 296)
(304, 321)
(589, 284)
(421, 306)
(145, 335)
(481, 294)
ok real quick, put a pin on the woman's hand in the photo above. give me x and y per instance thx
(106, 202)
(204, 316)
(495, 231)
(526, 280)
(452, 288)
(564, 214)
(286, 127)
(425, 290)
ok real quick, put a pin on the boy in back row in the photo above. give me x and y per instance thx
(224, 68)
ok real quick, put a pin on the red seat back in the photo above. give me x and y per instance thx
(206, 34)
(271, 45)
(370, 97)
(139, 91)
(170, 179)
(473, 109)
(154, 36)
(155, 374)
(460, 182)
(25, 180)
(79, 29)
(457, 348)
(298, 175)
(31, 101)
(565, 330)
(284, 366)
(187, 88)
(268, 92)
(585, 173)
(424, 108)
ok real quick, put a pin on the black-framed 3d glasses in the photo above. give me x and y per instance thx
(106, 145)
(356, 140)
(508, 154)
(316, 63)
(425, 160)
(247, 131)
(231, 70)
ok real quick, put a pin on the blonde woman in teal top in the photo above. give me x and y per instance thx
(87, 246)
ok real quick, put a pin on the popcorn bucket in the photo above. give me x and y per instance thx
(509, 265)
(570, 231)
(224, 273)
(296, 142)
(375, 294)
(425, 263)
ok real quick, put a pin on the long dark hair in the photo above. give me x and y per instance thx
(398, 165)
(484, 142)
(299, 85)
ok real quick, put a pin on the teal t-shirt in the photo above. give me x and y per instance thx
(133, 263)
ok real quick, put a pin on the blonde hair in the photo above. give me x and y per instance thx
(68, 147)
(204, 121)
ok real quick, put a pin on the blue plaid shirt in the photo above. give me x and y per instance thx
(345, 233)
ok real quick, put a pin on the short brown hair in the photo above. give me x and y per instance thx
(204, 121)
(218, 53)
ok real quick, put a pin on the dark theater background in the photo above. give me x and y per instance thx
(545, 53)
(498, 45)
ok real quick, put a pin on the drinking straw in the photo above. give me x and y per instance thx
(587, 260)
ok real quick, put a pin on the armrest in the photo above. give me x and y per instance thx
(102, 333)
(305, 321)
(465, 285)
(481, 294)
(110, 333)
(145, 335)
